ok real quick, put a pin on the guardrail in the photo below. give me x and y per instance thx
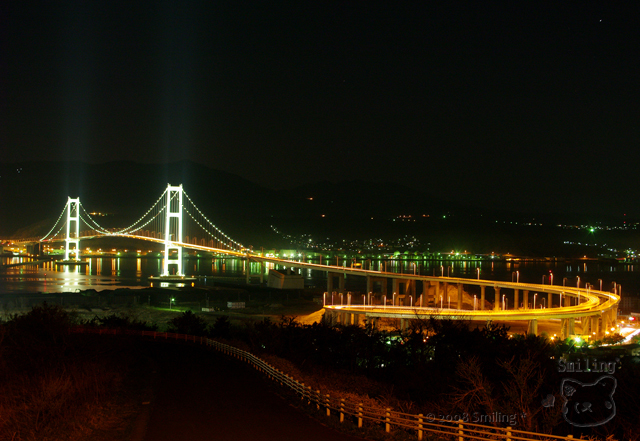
(420, 424)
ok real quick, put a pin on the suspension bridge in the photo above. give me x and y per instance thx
(175, 221)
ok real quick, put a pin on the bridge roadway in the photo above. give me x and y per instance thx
(596, 309)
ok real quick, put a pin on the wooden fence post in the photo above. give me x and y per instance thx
(508, 433)
(460, 430)
(328, 406)
(318, 399)
(360, 415)
(420, 427)
(387, 426)
(342, 410)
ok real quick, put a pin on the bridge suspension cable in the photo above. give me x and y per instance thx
(99, 228)
(204, 223)
(54, 225)
(135, 227)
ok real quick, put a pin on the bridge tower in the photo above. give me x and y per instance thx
(73, 232)
(173, 231)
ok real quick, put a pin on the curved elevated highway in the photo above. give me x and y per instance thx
(597, 310)
(419, 297)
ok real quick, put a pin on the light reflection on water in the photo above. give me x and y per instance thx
(118, 272)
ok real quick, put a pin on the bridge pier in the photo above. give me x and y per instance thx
(516, 299)
(525, 299)
(595, 326)
(483, 290)
(426, 294)
(459, 295)
(533, 327)
(567, 328)
(445, 295)
(371, 280)
(496, 298)
(330, 277)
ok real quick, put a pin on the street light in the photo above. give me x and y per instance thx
(478, 271)
(550, 277)
(578, 282)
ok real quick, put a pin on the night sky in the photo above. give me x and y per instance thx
(525, 105)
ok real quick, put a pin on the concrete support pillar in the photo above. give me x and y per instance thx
(549, 300)
(332, 317)
(595, 326)
(436, 293)
(525, 299)
(482, 296)
(396, 291)
(516, 299)
(426, 293)
(403, 324)
(563, 329)
(459, 296)
(496, 299)
(533, 327)
(445, 293)
(586, 325)
(571, 326)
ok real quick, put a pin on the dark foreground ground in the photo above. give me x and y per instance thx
(199, 394)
